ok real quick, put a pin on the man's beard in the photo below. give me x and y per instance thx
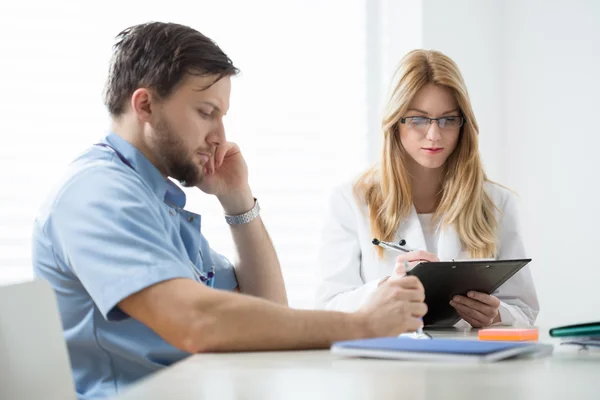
(174, 156)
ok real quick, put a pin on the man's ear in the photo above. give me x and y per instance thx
(142, 102)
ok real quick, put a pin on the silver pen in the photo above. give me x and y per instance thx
(391, 246)
(419, 334)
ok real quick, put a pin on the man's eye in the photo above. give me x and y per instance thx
(204, 113)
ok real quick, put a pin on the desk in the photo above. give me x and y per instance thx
(568, 374)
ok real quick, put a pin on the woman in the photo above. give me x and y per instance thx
(430, 190)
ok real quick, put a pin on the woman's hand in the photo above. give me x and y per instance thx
(478, 309)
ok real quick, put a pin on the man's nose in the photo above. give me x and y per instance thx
(217, 135)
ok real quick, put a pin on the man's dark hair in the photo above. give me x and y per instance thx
(158, 56)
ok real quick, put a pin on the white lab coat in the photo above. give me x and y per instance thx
(350, 268)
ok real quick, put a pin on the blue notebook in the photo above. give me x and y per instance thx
(460, 350)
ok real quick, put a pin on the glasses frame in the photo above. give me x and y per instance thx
(462, 120)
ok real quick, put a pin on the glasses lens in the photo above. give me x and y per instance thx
(450, 122)
(418, 122)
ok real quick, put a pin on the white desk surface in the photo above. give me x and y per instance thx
(568, 373)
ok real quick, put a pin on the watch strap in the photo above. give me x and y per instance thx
(244, 218)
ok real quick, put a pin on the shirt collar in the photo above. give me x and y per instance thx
(163, 188)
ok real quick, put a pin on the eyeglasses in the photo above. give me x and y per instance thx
(422, 123)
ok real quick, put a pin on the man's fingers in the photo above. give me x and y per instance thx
(402, 267)
(407, 282)
(210, 166)
(417, 309)
(412, 295)
(407, 261)
(220, 153)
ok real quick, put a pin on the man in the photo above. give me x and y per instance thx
(137, 284)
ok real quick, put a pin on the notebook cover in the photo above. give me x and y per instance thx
(435, 346)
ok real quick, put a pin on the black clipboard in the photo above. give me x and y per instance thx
(445, 279)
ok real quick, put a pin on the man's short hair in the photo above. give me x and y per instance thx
(159, 56)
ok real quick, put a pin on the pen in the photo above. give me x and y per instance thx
(208, 278)
(211, 277)
(391, 246)
(419, 334)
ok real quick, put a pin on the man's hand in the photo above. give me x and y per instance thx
(226, 176)
(257, 271)
(397, 306)
(478, 309)
(410, 259)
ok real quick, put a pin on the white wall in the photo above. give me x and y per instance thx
(553, 147)
(393, 28)
(532, 71)
(470, 32)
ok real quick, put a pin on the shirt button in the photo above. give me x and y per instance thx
(190, 219)
(171, 213)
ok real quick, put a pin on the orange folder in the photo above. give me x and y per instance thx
(508, 334)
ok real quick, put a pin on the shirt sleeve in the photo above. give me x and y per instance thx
(519, 301)
(107, 230)
(341, 287)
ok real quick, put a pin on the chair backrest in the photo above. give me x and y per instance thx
(34, 363)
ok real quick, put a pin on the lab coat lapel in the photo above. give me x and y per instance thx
(412, 231)
(449, 245)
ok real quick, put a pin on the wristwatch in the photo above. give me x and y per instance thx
(245, 217)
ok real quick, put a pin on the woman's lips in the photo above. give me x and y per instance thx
(432, 150)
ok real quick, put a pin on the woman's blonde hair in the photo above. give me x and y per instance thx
(386, 187)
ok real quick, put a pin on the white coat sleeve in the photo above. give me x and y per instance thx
(341, 287)
(519, 302)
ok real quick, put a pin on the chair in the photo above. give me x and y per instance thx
(34, 362)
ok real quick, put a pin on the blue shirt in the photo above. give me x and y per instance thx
(107, 231)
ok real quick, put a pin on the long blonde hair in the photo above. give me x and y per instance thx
(386, 187)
